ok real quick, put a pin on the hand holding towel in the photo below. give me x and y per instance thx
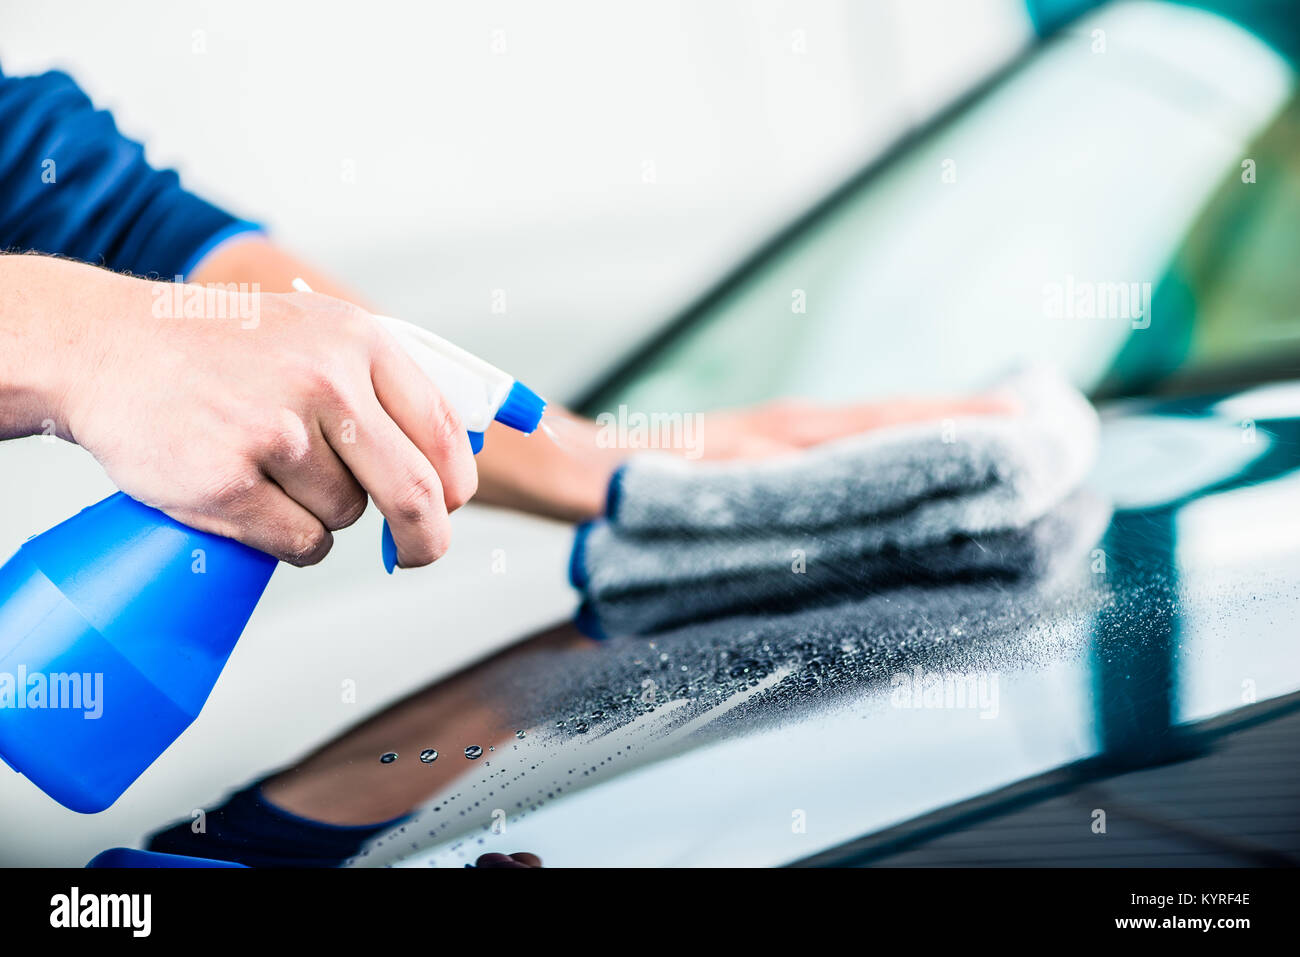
(951, 499)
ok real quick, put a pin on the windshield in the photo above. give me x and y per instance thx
(769, 739)
(1128, 213)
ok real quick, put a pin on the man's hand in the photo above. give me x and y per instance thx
(789, 425)
(569, 478)
(268, 418)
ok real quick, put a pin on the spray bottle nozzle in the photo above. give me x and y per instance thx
(522, 409)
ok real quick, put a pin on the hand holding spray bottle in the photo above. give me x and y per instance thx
(116, 623)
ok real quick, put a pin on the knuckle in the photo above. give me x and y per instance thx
(420, 501)
(318, 377)
(285, 437)
(431, 546)
(458, 492)
(348, 507)
(447, 428)
(308, 547)
(230, 489)
(355, 324)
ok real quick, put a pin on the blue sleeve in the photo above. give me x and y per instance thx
(72, 185)
(249, 829)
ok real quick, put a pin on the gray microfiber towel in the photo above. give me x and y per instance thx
(977, 496)
(813, 571)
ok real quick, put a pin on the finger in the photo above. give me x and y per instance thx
(429, 421)
(398, 476)
(264, 517)
(312, 474)
(740, 445)
(805, 425)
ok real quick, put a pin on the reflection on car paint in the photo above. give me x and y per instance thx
(640, 702)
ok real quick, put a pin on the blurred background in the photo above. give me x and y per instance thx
(598, 163)
(554, 187)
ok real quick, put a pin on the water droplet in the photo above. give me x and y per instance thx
(388, 757)
(473, 752)
(520, 735)
(581, 727)
(428, 755)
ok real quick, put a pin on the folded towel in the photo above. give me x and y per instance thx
(919, 482)
(831, 568)
(922, 502)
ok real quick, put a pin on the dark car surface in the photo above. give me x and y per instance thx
(763, 745)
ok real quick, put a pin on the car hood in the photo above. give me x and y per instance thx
(765, 744)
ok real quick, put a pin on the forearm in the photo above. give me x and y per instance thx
(566, 479)
(254, 259)
(48, 308)
(525, 472)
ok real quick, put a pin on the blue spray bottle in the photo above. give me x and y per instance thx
(115, 624)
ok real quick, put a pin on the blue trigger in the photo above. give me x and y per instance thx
(388, 548)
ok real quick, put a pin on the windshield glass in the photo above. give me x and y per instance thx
(766, 739)
(1125, 237)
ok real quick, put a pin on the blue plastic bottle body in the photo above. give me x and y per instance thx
(114, 626)
(120, 857)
